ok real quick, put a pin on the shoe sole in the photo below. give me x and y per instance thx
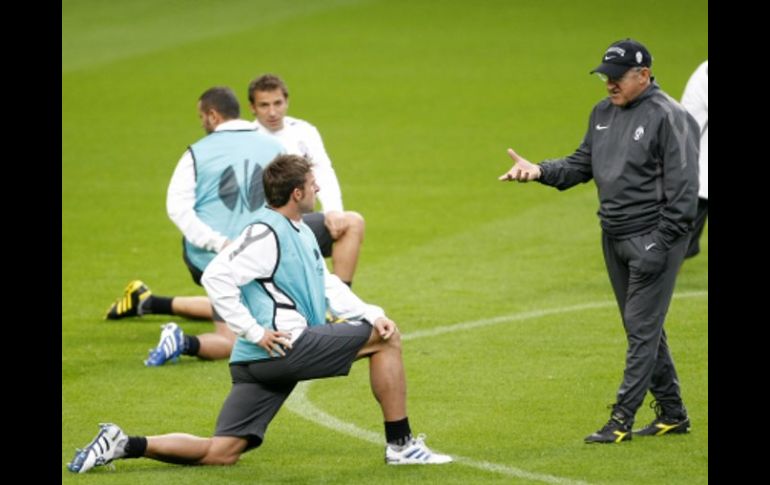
(672, 431)
(605, 442)
(401, 463)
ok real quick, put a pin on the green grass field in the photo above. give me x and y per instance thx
(417, 102)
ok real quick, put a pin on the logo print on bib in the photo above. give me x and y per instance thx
(230, 192)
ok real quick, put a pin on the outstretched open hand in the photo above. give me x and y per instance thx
(523, 170)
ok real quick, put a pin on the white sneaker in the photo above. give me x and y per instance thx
(108, 445)
(414, 453)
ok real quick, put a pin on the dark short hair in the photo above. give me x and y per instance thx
(222, 100)
(281, 176)
(267, 82)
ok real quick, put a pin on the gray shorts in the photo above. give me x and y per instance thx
(316, 221)
(260, 387)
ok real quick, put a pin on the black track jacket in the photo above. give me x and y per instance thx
(644, 159)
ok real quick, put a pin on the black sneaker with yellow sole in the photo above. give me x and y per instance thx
(665, 425)
(670, 418)
(616, 430)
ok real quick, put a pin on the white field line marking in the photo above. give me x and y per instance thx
(300, 404)
(431, 332)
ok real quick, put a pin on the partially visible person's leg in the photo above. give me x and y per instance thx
(616, 256)
(617, 269)
(664, 384)
(649, 296)
(700, 222)
(386, 374)
(198, 307)
(347, 247)
(138, 300)
(670, 411)
(187, 449)
(209, 346)
(194, 307)
(344, 250)
(241, 425)
(215, 345)
(388, 381)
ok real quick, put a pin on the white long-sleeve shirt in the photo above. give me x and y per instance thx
(301, 138)
(696, 100)
(180, 198)
(239, 264)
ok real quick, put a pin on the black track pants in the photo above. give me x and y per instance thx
(643, 278)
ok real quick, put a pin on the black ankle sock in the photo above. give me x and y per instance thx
(398, 433)
(191, 345)
(158, 304)
(349, 283)
(136, 447)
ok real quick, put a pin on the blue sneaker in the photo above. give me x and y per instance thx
(170, 346)
(109, 444)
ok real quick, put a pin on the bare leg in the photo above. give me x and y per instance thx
(386, 374)
(216, 345)
(192, 307)
(347, 247)
(186, 449)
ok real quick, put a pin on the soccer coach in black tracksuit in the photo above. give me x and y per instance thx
(641, 148)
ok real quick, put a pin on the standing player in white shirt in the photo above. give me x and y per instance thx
(696, 100)
(339, 232)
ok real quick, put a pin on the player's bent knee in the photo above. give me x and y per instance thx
(377, 344)
(355, 221)
(394, 340)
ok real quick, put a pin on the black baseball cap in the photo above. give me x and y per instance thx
(621, 56)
